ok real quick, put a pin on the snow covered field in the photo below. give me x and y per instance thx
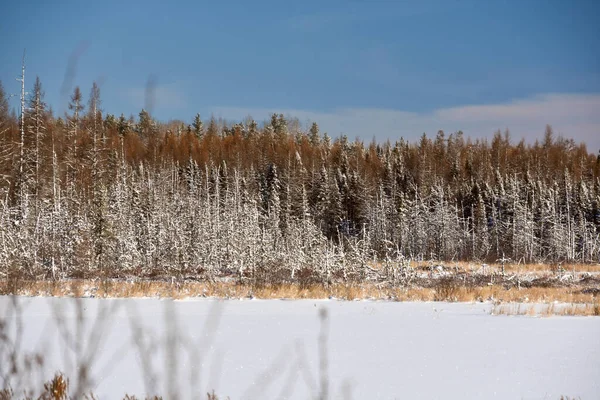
(263, 349)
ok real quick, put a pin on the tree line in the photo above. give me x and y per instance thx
(89, 192)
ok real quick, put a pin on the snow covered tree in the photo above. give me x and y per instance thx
(37, 131)
(314, 136)
(72, 139)
(146, 127)
(271, 197)
(6, 140)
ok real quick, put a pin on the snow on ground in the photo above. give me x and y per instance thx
(263, 349)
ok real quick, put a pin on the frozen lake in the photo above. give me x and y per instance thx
(267, 349)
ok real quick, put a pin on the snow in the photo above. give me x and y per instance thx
(250, 349)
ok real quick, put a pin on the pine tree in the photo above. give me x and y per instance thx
(95, 116)
(6, 147)
(314, 137)
(123, 127)
(4, 114)
(37, 129)
(355, 203)
(272, 195)
(252, 129)
(145, 127)
(18, 194)
(99, 192)
(334, 212)
(212, 130)
(72, 137)
(198, 126)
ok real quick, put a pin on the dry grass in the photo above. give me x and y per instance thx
(512, 267)
(456, 282)
(443, 290)
(58, 389)
(514, 309)
(55, 389)
(547, 310)
(479, 282)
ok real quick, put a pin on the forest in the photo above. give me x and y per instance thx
(90, 194)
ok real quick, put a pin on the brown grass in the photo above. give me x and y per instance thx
(512, 267)
(443, 290)
(547, 310)
(58, 389)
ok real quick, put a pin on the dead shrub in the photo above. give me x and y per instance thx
(270, 273)
(593, 291)
(306, 277)
(446, 289)
(56, 389)
(6, 394)
(212, 396)
(15, 282)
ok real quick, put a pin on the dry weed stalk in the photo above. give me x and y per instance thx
(547, 310)
(446, 288)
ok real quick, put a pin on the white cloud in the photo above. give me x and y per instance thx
(574, 116)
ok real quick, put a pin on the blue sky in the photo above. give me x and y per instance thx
(367, 69)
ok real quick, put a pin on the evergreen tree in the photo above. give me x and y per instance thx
(146, 126)
(213, 129)
(37, 131)
(6, 146)
(313, 136)
(95, 115)
(4, 112)
(198, 126)
(72, 139)
(99, 191)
